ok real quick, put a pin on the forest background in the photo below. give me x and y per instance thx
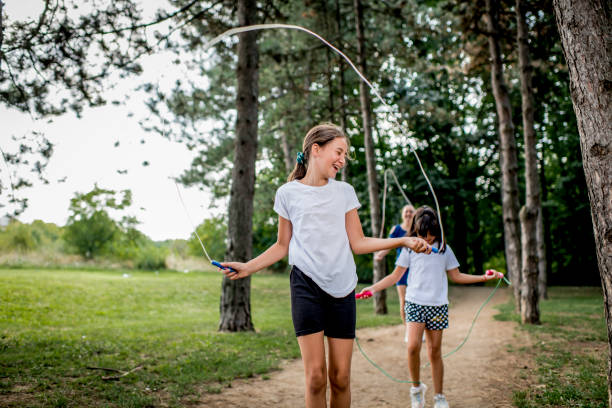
(429, 60)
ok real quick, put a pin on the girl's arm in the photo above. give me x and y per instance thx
(384, 283)
(380, 255)
(275, 253)
(361, 244)
(463, 278)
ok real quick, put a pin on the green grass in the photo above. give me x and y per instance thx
(54, 324)
(569, 349)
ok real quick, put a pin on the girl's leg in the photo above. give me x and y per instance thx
(415, 336)
(340, 354)
(313, 356)
(434, 352)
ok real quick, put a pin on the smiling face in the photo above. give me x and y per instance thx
(407, 214)
(330, 158)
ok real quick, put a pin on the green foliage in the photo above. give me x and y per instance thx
(151, 257)
(166, 322)
(17, 236)
(213, 232)
(38, 235)
(90, 229)
(429, 60)
(91, 236)
(569, 350)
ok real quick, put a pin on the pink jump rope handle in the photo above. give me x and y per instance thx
(491, 272)
(364, 294)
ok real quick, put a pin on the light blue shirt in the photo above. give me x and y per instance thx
(427, 281)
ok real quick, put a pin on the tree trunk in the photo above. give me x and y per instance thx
(328, 63)
(380, 298)
(531, 212)
(542, 267)
(289, 160)
(345, 170)
(508, 158)
(546, 260)
(235, 306)
(1, 26)
(585, 27)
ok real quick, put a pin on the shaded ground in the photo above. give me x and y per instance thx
(481, 374)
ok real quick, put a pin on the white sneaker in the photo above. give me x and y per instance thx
(440, 401)
(417, 396)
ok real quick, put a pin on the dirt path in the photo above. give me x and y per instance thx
(479, 375)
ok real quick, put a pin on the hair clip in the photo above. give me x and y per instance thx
(300, 158)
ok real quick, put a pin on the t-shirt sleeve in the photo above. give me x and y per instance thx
(404, 258)
(280, 206)
(350, 198)
(451, 259)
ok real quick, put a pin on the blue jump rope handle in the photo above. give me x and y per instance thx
(218, 265)
(434, 250)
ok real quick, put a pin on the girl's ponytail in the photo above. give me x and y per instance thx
(299, 171)
(320, 134)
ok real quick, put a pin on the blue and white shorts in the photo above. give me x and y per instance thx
(434, 317)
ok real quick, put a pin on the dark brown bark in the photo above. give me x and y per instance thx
(585, 27)
(380, 298)
(328, 63)
(508, 157)
(345, 169)
(1, 29)
(235, 305)
(530, 214)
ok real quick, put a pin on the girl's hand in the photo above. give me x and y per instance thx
(417, 244)
(365, 293)
(240, 270)
(379, 256)
(493, 274)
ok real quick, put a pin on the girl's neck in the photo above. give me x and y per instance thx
(313, 179)
(406, 225)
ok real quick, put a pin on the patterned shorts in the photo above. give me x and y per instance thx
(434, 317)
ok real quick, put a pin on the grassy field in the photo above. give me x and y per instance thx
(56, 325)
(569, 348)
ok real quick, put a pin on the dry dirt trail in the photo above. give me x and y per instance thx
(478, 375)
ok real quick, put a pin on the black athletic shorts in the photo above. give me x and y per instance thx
(313, 310)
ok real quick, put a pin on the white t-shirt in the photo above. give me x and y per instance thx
(319, 244)
(427, 281)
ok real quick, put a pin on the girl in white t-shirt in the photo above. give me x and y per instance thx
(318, 226)
(426, 306)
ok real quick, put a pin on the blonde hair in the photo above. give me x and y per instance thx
(321, 135)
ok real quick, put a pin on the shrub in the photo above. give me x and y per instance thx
(151, 258)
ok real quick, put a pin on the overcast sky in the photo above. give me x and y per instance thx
(84, 154)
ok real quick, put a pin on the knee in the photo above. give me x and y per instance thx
(414, 349)
(434, 352)
(339, 380)
(316, 380)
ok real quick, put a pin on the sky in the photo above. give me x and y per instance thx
(84, 154)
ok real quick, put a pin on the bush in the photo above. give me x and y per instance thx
(90, 236)
(213, 232)
(18, 237)
(151, 258)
